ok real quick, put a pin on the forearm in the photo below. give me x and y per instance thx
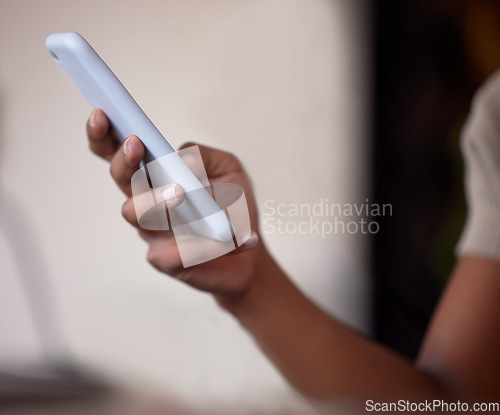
(463, 339)
(321, 357)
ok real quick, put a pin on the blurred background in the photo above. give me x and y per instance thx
(320, 99)
(282, 84)
(430, 57)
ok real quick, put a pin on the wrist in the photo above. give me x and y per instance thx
(266, 274)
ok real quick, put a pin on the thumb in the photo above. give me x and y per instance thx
(148, 209)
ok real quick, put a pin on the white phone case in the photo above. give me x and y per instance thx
(104, 90)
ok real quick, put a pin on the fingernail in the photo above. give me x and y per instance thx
(171, 192)
(126, 148)
(96, 118)
(92, 120)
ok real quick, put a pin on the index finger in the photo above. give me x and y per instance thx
(101, 139)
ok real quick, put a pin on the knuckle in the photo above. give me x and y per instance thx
(188, 144)
(234, 163)
(185, 275)
(112, 170)
(153, 257)
(234, 159)
(162, 257)
(95, 149)
(230, 159)
(128, 211)
(92, 147)
(116, 172)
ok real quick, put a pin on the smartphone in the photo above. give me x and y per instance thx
(103, 90)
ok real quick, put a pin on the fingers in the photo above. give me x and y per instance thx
(250, 243)
(101, 140)
(125, 159)
(125, 163)
(217, 163)
(164, 255)
(147, 207)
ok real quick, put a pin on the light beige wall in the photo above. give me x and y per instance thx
(280, 83)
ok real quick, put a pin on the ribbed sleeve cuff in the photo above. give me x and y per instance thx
(481, 234)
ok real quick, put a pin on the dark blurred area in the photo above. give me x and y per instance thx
(430, 57)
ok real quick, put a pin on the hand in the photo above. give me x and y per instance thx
(227, 277)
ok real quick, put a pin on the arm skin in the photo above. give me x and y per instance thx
(322, 358)
(325, 360)
(462, 345)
